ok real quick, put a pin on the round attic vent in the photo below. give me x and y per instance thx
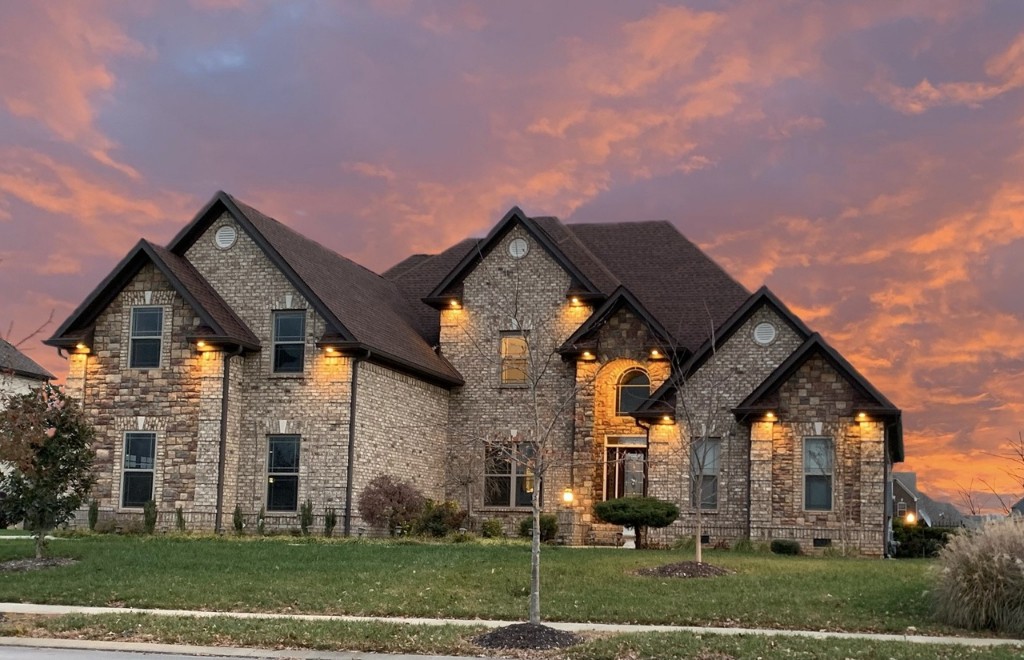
(764, 333)
(225, 237)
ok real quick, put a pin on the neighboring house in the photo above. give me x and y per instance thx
(246, 365)
(18, 372)
(1018, 508)
(908, 499)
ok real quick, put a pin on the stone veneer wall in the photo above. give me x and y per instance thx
(168, 400)
(500, 289)
(401, 430)
(313, 404)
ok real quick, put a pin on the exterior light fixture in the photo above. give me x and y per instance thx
(862, 416)
(331, 350)
(587, 355)
(666, 419)
(567, 496)
(81, 348)
(655, 353)
(770, 416)
(575, 300)
(455, 304)
(200, 344)
(911, 518)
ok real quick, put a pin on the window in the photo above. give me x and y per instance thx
(704, 467)
(818, 474)
(289, 342)
(901, 508)
(139, 462)
(508, 477)
(283, 473)
(146, 331)
(634, 388)
(514, 359)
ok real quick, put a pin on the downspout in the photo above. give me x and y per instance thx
(750, 477)
(222, 449)
(350, 470)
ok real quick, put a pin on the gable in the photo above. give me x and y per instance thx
(620, 326)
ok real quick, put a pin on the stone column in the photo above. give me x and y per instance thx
(760, 480)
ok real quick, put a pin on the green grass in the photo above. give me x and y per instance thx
(457, 640)
(474, 580)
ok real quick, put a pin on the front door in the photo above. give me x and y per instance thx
(625, 468)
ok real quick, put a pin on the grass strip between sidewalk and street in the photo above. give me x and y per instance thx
(384, 637)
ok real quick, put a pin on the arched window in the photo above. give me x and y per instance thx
(634, 388)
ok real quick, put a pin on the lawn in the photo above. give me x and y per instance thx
(473, 580)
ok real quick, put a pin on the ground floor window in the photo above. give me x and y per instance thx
(139, 464)
(283, 473)
(704, 468)
(508, 474)
(625, 467)
(818, 474)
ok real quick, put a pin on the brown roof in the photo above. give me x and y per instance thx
(14, 361)
(367, 308)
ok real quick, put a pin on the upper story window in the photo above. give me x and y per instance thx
(146, 335)
(704, 468)
(289, 342)
(818, 474)
(139, 464)
(633, 389)
(515, 361)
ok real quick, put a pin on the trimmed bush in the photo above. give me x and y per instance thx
(439, 519)
(149, 516)
(919, 540)
(638, 513)
(330, 522)
(390, 503)
(492, 528)
(785, 547)
(238, 520)
(981, 578)
(548, 527)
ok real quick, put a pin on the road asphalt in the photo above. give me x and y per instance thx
(184, 650)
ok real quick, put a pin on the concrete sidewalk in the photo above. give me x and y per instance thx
(30, 608)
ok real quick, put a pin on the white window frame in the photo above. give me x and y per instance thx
(125, 470)
(706, 471)
(827, 471)
(135, 336)
(514, 362)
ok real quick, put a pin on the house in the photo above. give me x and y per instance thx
(245, 365)
(913, 506)
(18, 372)
(1018, 508)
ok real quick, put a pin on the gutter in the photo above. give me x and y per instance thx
(350, 469)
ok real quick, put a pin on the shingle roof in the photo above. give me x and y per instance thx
(368, 308)
(14, 361)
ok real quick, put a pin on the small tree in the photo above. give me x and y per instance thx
(390, 503)
(638, 513)
(46, 441)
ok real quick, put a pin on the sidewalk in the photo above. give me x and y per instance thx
(30, 608)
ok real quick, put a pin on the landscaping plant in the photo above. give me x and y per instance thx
(439, 519)
(785, 547)
(94, 515)
(237, 520)
(638, 513)
(548, 527)
(390, 503)
(981, 578)
(46, 441)
(149, 516)
(261, 523)
(179, 519)
(330, 522)
(306, 517)
(492, 528)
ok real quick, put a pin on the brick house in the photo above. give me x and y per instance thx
(246, 365)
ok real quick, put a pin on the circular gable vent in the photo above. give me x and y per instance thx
(225, 237)
(764, 333)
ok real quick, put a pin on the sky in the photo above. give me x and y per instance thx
(864, 160)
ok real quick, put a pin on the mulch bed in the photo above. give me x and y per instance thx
(33, 564)
(685, 569)
(527, 636)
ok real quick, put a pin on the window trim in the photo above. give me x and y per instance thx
(134, 336)
(507, 362)
(125, 470)
(275, 342)
(272, 473)
(717, 474)
(620, 386)
(828, 472)
(516, 472)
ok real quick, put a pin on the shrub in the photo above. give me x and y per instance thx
(918, 540)
(390, 503)
(237, 520)
(106, 526)
(330, 522)
(744, 546)
(785, 547)
(638, 513)
(179, 519)
(686, 543)
(981, 578)
(94, 515)
(492, 528)
(305, 517)
(548, 527)
(261, 522)
(149, 516)
(439, 519)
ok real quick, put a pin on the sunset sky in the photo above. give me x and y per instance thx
(865, 160)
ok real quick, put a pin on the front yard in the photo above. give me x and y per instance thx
(474, 580)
